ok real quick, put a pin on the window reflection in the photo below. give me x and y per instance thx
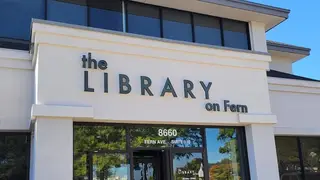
(100, 152)
(145, 169)
(80, 165)
(14, 156)
(188, 166)
(177, 25)
(90, 138)
(223, 155)
(110, 167)
(60, 12)
(106, 15)
(235, 34)
(143, 19)
(165, 137)
(288, 158)
(15, 17)
(311, 157)
(207, 30)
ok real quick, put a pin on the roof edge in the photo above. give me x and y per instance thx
(252, 6)
(277, 46)
(283, 75)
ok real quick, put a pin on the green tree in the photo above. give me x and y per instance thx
(223, 170)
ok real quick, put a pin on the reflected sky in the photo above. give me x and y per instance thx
(213, 146)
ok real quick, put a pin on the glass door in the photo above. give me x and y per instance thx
(151, 165)
(187, 166)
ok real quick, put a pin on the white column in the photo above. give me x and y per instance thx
(52, 149)
(258, 36)
(262, 152)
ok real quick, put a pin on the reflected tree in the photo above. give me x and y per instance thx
(13, 157)
(229, 167)
(90, 139)
(190, 169)
(150, 137)
(288, 155)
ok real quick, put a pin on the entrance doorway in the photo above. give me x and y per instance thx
(150, 152)
(151, 165)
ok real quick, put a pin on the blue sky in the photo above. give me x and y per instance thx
(301, 28)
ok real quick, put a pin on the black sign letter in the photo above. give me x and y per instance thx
(206, 88)
(168, 88)
(226, 105)
(188, 86)
(84, 61)
(90, 61)
(145, 84)
(106, 86)
(124, 82)
(102, 64)
(86, 82)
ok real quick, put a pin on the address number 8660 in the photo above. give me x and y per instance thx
(167, 132)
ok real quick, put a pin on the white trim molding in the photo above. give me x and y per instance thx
(294, 86)
(61, 111)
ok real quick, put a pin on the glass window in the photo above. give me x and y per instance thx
(288, 158)
(63, 11)
(90, 138)
(165, 137)
(235, 34)
(110, 166)
(177, 25)
(81, 166)
(15, 17)
(188, 166)
(311, 157)
(14, 156)
(143, 19)
(106, 14)
(223, 154)
(207, 30)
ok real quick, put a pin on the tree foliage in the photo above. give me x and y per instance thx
(227, 168)
(13, 157)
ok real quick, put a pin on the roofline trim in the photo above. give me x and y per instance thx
(251, 6)
(293, 82)
(288, 76)
(275, 46)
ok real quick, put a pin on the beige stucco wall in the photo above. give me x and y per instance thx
(280, 63)
(16, 90)
(236, 75)
(296, 104)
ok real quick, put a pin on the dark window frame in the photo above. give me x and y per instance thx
(240, 135)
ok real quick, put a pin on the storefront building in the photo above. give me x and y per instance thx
(153, 90)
